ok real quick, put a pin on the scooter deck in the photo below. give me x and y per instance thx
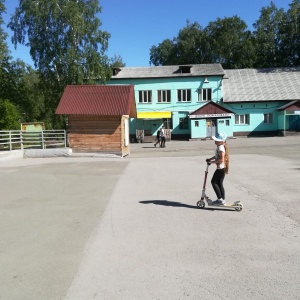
(224, 205)
(238, 206)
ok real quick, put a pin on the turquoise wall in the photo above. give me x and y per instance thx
(200, 131)
(256, 113)
(178, 109)
(226, 126)
(223, 125)
(255, 110)
(173, 84)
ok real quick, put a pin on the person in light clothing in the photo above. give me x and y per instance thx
(221, 159)
(162, 137)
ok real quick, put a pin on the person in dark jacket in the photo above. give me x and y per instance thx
(162, 137)
(157, 140)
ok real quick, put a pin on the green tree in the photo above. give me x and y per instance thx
(27, 96)
(230, 43)
(268, 37)
(9, 116)
(117, 62)
(163, 54)
(187, 48)
(4, 53)
(226, 41)
(65, 42)
(190, 45)
(19, 84)
(290, 29)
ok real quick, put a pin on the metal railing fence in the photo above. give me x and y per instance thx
(17, 139)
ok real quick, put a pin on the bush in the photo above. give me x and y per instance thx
(9, 116)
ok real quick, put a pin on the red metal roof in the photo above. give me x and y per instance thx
(104, 100)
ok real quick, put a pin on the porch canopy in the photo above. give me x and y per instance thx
(292, 108)
(154, 115)
(211, 110)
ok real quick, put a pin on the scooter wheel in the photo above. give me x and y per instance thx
(200, 204)
(239, 208)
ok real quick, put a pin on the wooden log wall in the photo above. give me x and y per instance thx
(95, 133)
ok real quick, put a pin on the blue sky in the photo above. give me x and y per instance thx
(136, 25)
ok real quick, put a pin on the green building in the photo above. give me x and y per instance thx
(196, 101)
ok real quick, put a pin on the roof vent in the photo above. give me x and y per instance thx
(116, 71)
(185, 69)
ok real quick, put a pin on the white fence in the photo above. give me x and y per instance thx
(17, 139)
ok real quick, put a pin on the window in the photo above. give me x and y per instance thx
(145, 96)
(183, 123)
(185, 69)
(204, 94)
(163, 96)
(268, 118)
(184, 95)
(241, 119)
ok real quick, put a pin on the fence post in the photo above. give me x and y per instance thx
(65, 138)
(43, 144)
(10, 145)
(21, 140)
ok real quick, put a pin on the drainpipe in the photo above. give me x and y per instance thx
(284, 121)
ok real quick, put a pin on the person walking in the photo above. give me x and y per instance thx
(157, 140)
(221, 159)
(162, 137)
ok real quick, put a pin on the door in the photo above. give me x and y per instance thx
(211, 127)
(294, 122)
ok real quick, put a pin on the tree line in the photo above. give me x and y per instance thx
(67, 46)
(273, 42)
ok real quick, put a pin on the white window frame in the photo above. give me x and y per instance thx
(268, 118)
(163, 96)
(145, 96)
(205, 94)
(184, 95)
(242, 119)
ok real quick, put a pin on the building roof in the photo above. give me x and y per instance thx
(211, 108)
(104, 100)
(271, 84)
(169, 71)
(294, 105)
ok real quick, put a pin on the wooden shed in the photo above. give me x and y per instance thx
(98, 117)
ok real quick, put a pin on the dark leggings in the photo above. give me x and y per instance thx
(217, 183)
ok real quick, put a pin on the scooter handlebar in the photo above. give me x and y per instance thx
(208, 161)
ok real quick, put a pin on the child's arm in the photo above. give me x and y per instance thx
(209, 159)
(220, 160)
(213, 159)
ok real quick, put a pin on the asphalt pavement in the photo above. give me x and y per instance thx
(128, 228)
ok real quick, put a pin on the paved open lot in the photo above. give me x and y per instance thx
(113, 228)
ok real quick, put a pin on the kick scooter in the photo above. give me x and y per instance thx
(237, 205)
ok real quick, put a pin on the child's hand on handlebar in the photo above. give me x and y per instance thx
(208, 161)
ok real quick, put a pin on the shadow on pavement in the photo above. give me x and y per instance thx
(168, 203)
(179, 204)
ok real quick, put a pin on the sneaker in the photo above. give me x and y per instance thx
(219, 202)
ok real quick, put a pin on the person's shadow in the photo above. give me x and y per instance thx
(179, 204)
(168, 203)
